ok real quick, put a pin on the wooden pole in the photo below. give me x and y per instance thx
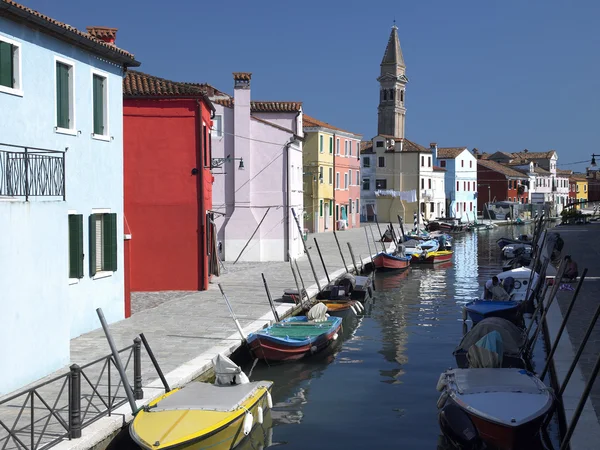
(341, 254)
(275, 314)
(306, 251)
(322, 261)
(352, 256)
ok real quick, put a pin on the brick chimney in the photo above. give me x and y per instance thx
(525, 151)
(108, 35)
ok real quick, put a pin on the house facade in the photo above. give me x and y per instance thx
(62, 218)
(461, 180)
(257, 164)
(499, 183)
(167, 184)
(437, 207)
(368, 163)
(578, 188)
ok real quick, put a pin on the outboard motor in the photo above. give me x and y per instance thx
(347, 282)
(458, 428)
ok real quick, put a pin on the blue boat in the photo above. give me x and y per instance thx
(482, 309)
(293, 338)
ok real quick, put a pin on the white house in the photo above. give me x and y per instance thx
(61, 189)
(257, 162)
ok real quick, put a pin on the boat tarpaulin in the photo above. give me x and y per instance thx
(487, 352)
(227, 372)
(513, 338)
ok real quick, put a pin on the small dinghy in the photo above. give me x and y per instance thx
(203, 415)
(482, 309)
(505, 407)
(295, 337)
(436, 257)
(473, 350)
(391, 261)
(523, 239)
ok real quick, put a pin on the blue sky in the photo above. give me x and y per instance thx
(496, 75)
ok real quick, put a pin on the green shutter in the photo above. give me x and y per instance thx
(330, 145)
(62, 95)
(98, 90)
(92, 239)
(75, 246)
(6, 65)
(109, 242)
(320, 208)
(320, 144)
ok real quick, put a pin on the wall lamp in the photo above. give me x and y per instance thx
(594, 160)
(218, 162)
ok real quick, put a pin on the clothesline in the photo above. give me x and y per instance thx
(408, 196)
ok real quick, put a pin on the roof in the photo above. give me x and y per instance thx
(410, 146)
(438, 168)
(449, 152)
(11, 10)
(501, 168)
(311, 122)
(366, 146)
(533, 155)
(578, 177)
(393, 51)
(563, 172)
(244, 76)
(139, 84)
(263, 106)
(210, 90)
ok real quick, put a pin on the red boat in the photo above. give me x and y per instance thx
(388, 261)
(442, 256)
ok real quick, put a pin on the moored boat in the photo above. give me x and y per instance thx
(203, 415)
(504, 241)
(348, 287)
(435, 257)
(294, 338)
(505, 406)
(482, 309)
(390, 261)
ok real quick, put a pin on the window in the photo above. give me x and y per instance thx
(75, 246)
(379, 144)
(337, 146)
(357, 178)
(337, 212)
(10, 66)
(103, 243)
(422, 183)
(350, 206)
(350, 148)
(422, 161)
(443, 163)
(346, 148)
(585, 188)
(337, 180)
(356, 210)
(345, 181)
(462, 163)
(464, 185)
(470, 206)
(366, 161)
(432, 207)
(350, 177)
(366, 184)
(457, 185)
(100, 104)
(429, 161)
(321, 174)
(218, 126)
(429, 182)
(470, 164)
(381, 162)
(320, 143)
(331, 175)
(65, 121)
(380, 184)
(331, 145)
(321, 208)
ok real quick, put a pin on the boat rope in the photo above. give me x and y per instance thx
(253, 366)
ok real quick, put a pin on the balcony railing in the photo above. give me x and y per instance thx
(31, 172)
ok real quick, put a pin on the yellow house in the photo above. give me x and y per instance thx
(317, 157)
(580, 183)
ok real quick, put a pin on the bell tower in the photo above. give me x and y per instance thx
(392, 82)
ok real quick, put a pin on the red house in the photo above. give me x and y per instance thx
(497, 183)
(168, 184)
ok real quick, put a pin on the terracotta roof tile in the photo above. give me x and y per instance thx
(500, 168)
(261, 106)
(138, 84)
(210, 90)
(449, 152)
(533, 155)
(311, 122)
(67, 32)
(578, 177)
(366, 147)
(103, 33)
(563, 172)
(410, 146)
(243, 76)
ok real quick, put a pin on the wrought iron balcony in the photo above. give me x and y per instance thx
(31, 172)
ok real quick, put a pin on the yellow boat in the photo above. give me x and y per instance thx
(202, 415)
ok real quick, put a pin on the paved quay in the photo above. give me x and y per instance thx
(582, 242)
(185, 330)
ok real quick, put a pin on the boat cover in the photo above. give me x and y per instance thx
(487, 352)
(227, 372)
(209, 397)
(513, 338)
(473, 381)
(317, 313)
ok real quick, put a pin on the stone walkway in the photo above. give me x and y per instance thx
(185, 330)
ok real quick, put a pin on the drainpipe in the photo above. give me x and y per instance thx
(202, 260)
(288, 199)
(335, 149)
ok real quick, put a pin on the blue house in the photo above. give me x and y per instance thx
(460, 181)
(61, 188)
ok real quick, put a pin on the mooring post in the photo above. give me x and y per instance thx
(375, 240)
(304, 291)
(75, 402)
(381, 235)
(341, 254)
(300, 294)
(138, 392)
(275, 314)
(353, 260)
(401, 228)
(155, 363)
(369, 246)
(306, 251)
(322, 262)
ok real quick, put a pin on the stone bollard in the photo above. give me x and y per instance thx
(75, 402)
(138, 392)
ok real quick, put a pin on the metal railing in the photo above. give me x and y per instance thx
(32, 172)
(57, 409)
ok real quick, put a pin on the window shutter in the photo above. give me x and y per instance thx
(75, 246)
(62, 95)
(110, 242)
(98, 92)
(92, 238)
(6, 65)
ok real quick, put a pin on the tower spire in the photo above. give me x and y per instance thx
(393, 51)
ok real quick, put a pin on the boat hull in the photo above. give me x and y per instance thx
(436, 258)
(383, 261)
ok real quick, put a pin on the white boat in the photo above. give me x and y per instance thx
(521, 276)
(511, 250)
(505, 406)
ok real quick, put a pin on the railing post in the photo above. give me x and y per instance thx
(26, 175)
(75, 402)
(138, 392)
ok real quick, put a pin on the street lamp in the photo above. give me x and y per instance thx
(594, 160)
(218, 162)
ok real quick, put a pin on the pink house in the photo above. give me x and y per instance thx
(257, 166)
(346, 166)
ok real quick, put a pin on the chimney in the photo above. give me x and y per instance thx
(241, 141)
(525, 151)
(433, 147)
(108, 35)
